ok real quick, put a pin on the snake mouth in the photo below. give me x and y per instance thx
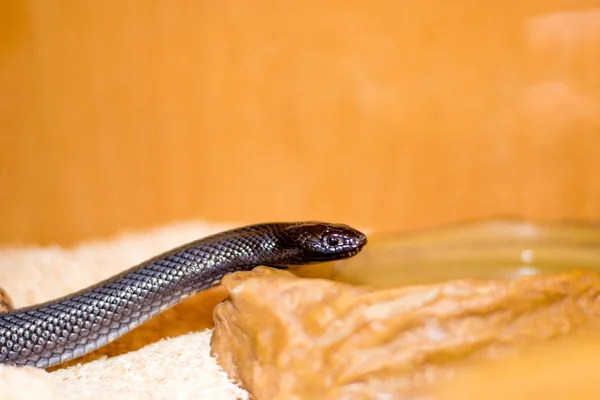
(359, 243)
(339, 256)
(352, 253)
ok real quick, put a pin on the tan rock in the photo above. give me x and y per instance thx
(284, 337)
(556, 370)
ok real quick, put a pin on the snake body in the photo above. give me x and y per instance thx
(69, 327)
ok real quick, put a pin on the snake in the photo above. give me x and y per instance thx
(71, 326)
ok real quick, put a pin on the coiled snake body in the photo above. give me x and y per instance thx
(69, 327)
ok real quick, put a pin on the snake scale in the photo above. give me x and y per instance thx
(60, 330)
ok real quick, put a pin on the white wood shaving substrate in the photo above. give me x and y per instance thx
(174, 368)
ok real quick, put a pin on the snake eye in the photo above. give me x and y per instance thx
(333, 240)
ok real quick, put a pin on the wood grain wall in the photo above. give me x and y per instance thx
(395, 115)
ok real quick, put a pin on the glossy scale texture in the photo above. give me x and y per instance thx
(69, 327)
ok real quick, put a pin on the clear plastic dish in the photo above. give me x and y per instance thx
(502, 249)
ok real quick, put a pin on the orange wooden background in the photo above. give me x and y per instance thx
(394, 115)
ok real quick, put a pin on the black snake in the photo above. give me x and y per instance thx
(71, 326)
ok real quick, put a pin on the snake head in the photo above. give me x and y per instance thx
(319, 242)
